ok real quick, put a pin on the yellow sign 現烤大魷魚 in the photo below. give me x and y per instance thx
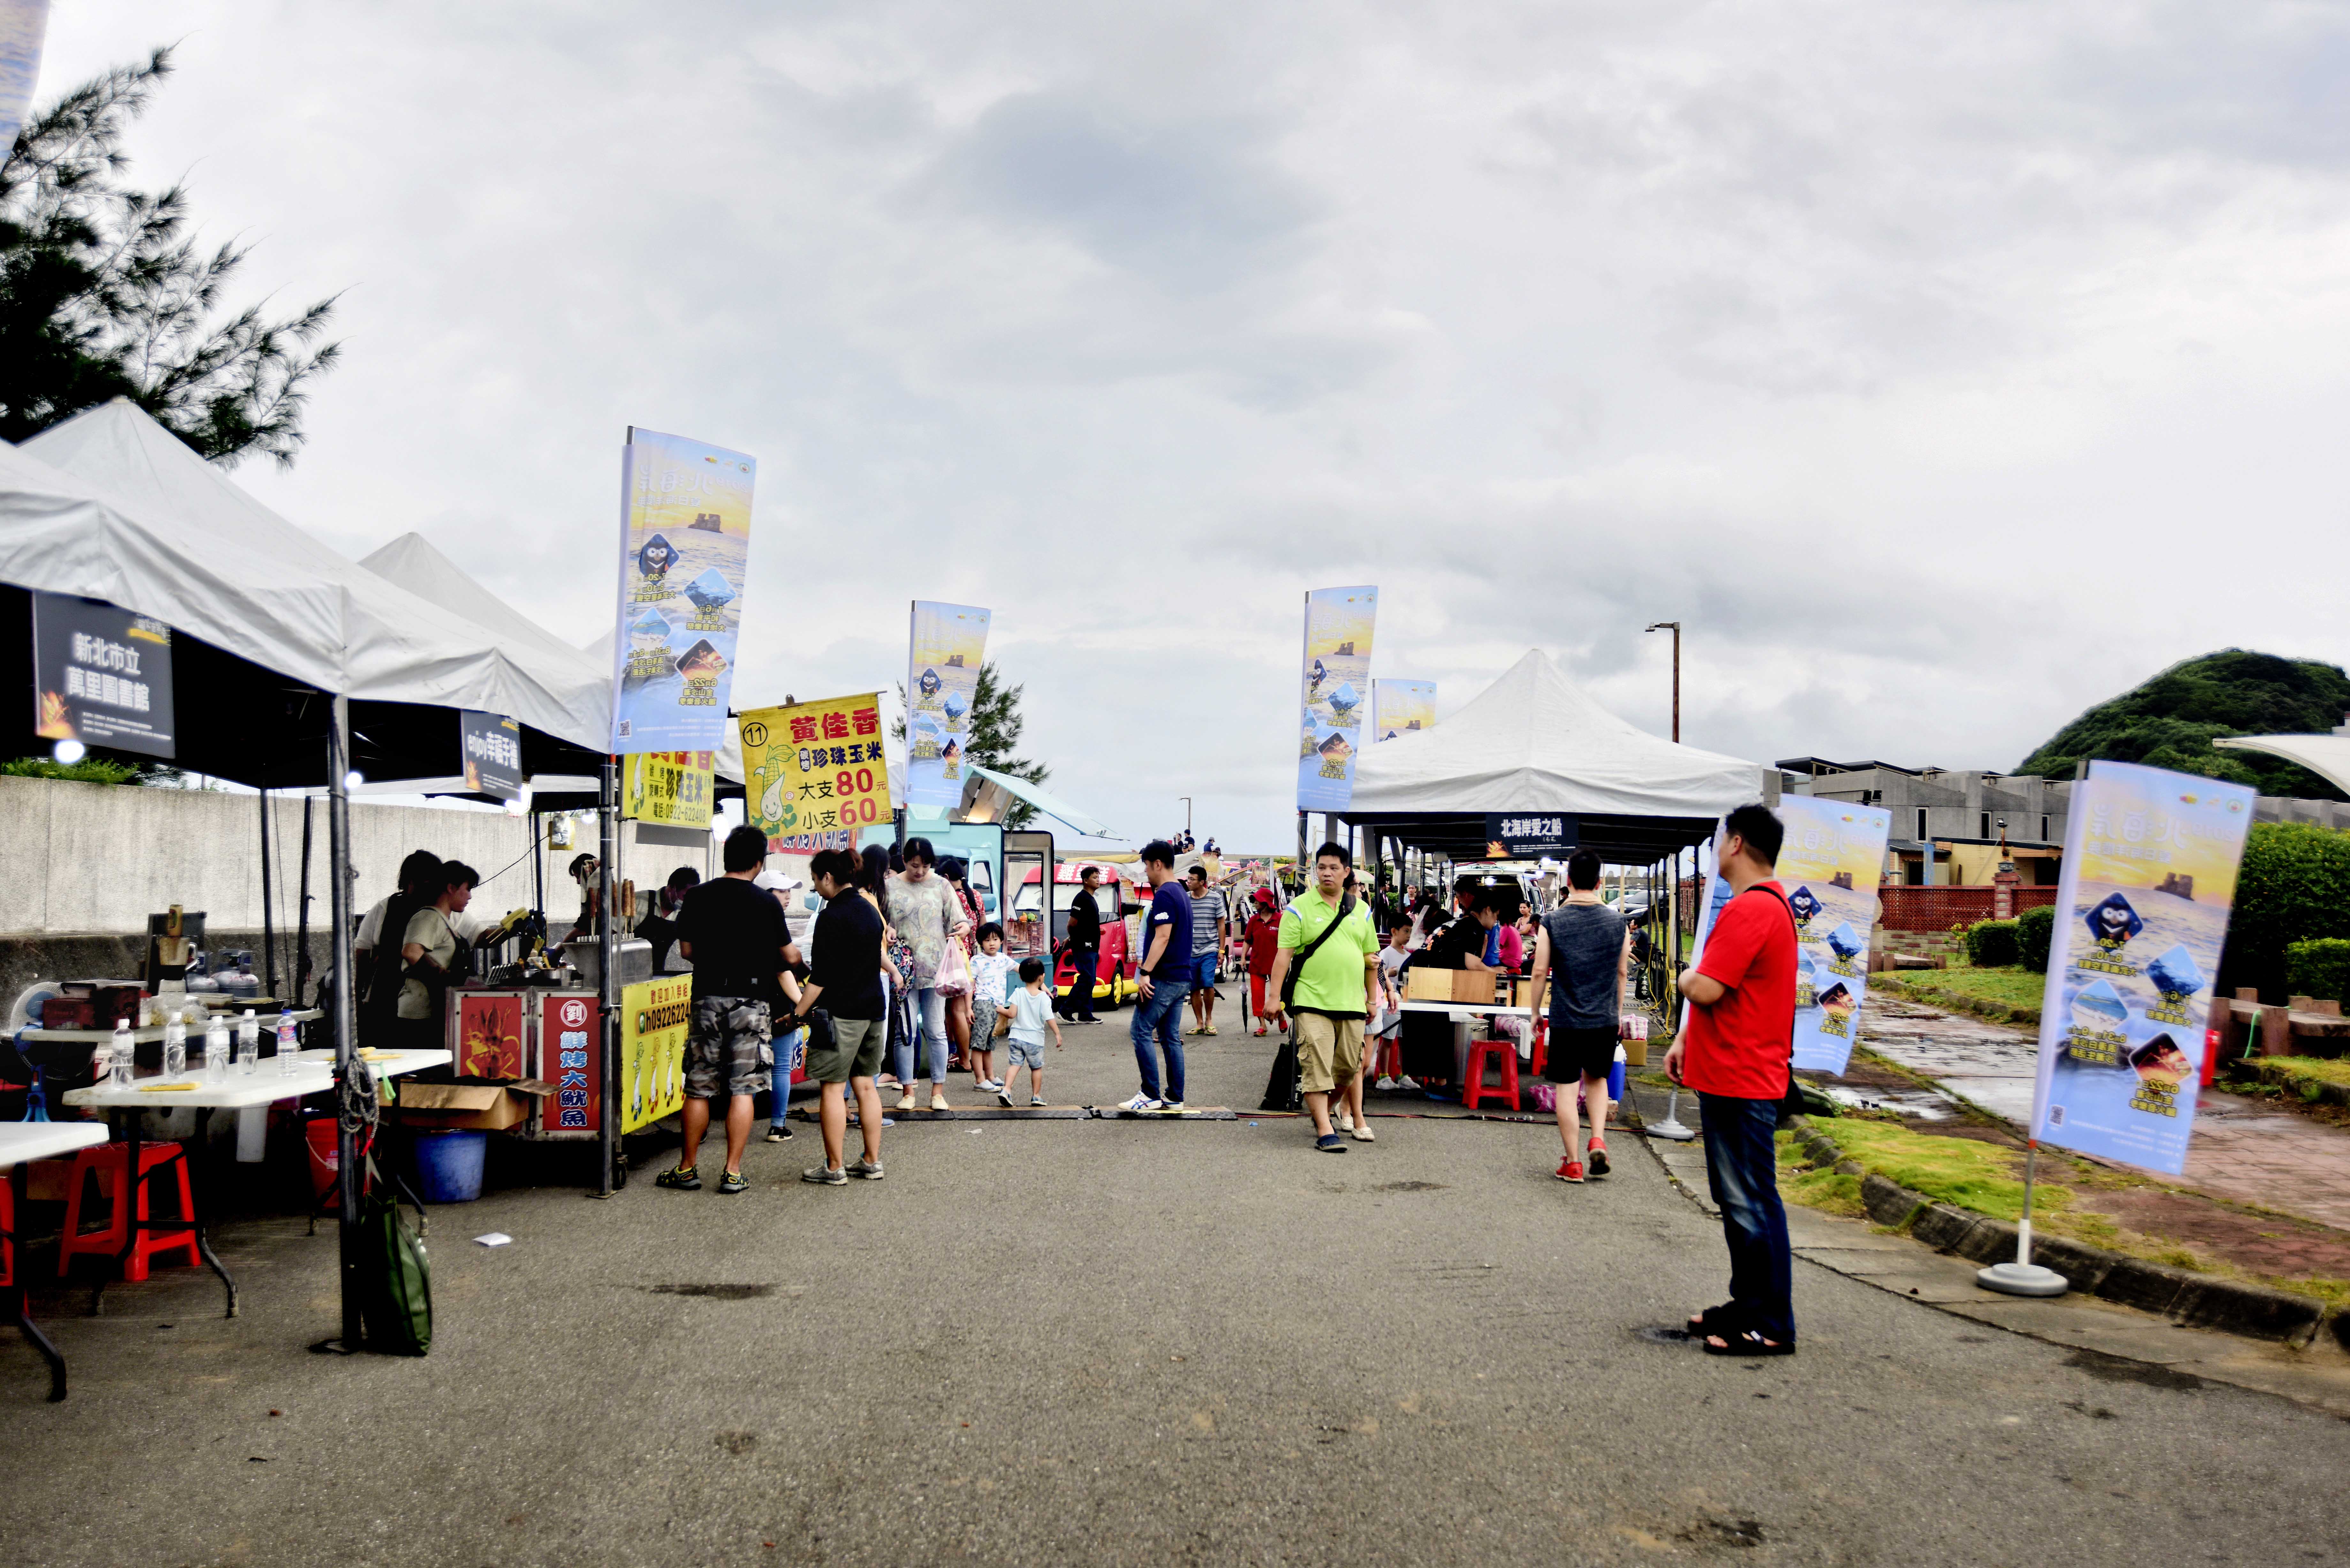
(670, 787)
(815, 772)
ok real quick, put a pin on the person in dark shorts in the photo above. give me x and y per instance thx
(734, 936)
(845, 974)
(1584, 949)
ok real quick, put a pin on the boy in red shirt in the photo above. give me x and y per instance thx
(1733, 1051)
(1263, 935)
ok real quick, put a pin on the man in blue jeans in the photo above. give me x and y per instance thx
(1167, 969)
(1733, 1051)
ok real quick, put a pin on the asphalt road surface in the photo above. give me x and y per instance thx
(1103, 1343)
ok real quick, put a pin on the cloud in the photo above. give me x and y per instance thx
(1942, 367)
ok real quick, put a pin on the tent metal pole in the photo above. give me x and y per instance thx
(607, 843)
(338, 906)
(302, 910)
(268, 932)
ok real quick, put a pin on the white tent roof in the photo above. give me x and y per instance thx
(2327, 756)
(366, 637)
(1532, 741)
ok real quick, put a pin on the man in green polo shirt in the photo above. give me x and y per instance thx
(1336, 990)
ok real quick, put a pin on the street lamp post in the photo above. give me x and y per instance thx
(1187, 813)
(1676, 629)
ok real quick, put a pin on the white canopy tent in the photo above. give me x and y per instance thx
(1535, 742)
(2327, 756)
(347, 630)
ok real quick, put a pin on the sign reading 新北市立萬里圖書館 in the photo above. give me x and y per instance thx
(685, 545)
(944, 651)
(1337, 683)
(1401, 708)
(815, 774)
(2151, 865)
(1828, 869)
(101, 675)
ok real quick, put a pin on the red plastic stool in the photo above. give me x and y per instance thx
(106, 1240)
(7, 1232)
(1476, 1087)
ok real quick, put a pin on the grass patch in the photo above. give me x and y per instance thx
(2006, 987)
(1825, 1189)
(1964, 1172)
(2317, 1069)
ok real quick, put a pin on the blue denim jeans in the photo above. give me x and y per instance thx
(1741, 1166)
(791, 1049)
(930, 1021)
(1162, 1015)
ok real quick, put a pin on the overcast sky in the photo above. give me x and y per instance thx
(1944, 366)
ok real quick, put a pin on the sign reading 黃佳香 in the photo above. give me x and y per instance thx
(685, 545)
(673, 788)
(1529, 835)
(815, 774)
(2151, 865)
(491, 746)
(101, 675)
(1337, 689)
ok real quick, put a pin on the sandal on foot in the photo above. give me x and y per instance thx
(1746, 1342)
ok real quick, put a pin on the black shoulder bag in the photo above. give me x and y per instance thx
(1281, 1091)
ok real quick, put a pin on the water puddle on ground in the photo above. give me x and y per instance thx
(1924, 1105)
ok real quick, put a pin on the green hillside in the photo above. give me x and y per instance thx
(2172, 721)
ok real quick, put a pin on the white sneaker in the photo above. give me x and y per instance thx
(1384, 1084)
(938, 1100)
(1171, 1107)
(1139, 1103)
(1406, 1085)
(906, 1103)
(1345, 1121)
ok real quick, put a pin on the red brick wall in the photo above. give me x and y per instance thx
(1906, 908)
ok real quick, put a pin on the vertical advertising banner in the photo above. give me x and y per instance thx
(568, 1052)
(2150, 861)
(655, 1015)
(941, 683)
(1337, 688)
(685, 545)
(23, 24)
(1829, 864)
(101, 675)
(490, 745)
(672, 788)
(816, 774)
(1400, 707)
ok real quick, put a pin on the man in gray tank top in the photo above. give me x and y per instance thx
(1584, 949)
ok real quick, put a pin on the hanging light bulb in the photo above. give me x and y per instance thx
(353, 779)
(69, 751)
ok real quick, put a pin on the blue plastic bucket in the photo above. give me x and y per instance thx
(449, 1165)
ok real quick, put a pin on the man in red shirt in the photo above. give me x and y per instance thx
(1263, 935)
(1733, 1051)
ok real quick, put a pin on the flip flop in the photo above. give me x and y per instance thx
(1746, 1342)
(1711, 1320)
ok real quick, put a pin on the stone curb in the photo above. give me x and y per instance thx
(2196, 1301)
(2277, 1070)
(1957, 1001)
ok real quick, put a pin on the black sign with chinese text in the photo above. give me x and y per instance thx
(1529, 835)
(101, 675)
(491, 747)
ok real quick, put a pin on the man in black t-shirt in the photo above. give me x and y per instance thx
(845, 976)
(735, 935)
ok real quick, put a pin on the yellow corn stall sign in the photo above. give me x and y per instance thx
(654, 1017)
(671, 787)
(816, 774)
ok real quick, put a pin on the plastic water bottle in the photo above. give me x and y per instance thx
(118, 1056)
(288, 1056)
(248, 1042)
(175, 1046)
(217, 1048)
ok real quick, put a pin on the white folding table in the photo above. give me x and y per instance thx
(21, 1143)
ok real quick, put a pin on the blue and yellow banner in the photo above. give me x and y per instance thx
(944, 651)
(685, 546)
(1336, 691)
(2150, 862)
(1401, 708)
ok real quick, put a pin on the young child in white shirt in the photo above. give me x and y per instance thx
(1030, 1014)
(1386, 1064)
(991, 988)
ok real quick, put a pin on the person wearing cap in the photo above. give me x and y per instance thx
(1263, 935)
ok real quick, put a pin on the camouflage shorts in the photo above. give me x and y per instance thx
(730, 1047)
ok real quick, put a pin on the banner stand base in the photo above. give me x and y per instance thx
(1672, 1127)
(2022, 1280)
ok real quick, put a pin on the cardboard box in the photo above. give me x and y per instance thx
(483, 1106)
(1428, 985)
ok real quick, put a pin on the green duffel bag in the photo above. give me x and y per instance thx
(395, 1279)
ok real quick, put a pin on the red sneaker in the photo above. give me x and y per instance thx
(1597, 1153)
(1570, 1170)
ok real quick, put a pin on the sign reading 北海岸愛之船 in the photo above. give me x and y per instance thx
(1525, 835)
(101, 675)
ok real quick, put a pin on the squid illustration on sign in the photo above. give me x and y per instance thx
(1804, 903)
(655, 558)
